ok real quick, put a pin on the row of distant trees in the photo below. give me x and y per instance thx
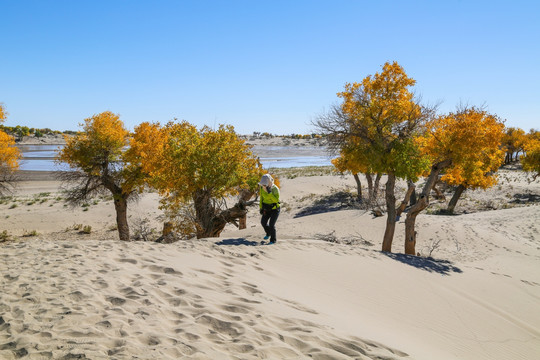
(258, 134)
(20, 131)
(381, 127)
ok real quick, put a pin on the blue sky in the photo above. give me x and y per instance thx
(259, 65)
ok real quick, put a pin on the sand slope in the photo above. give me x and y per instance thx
(65, 295)
(232, 298)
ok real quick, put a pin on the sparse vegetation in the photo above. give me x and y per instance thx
(294, 172)
(5, 236)
(143, 231)
(31, 233)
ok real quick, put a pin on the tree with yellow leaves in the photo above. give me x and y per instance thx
(195, 171)
(465, 144)
(514, 141)
(9, 157)
(477, 169)
(352, 159)
(97, 156)
(381, 116)
(531, 160)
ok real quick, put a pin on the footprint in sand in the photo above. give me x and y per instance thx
(236, 309)
(220, 326)
(131, 261)
(164, 270)
(250, 288)
(116, 301)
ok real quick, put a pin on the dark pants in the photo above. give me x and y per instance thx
(268, 221)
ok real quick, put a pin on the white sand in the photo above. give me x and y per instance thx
(69, 295)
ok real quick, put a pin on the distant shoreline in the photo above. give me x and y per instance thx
(34, 175)
(58, 139)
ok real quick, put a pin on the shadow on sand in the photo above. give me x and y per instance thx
(443, 267)
(236, 242)
(334, 202)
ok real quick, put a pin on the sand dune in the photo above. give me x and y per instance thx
(66, 295)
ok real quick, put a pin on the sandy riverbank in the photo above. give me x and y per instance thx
(66, 294)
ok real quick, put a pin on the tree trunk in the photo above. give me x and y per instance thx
(358, 186)
(407, 198)
(369, 178)
(438, 194)
(453, 201)
(421, 204)
(391, 212)
(413, 197)
(244, 196)
(204, 212)
(376, 185)
(120, 205)
(211, 223)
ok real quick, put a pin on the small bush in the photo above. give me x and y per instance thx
(13, 206)
(4, 236)
(30, 233)
(87, 229)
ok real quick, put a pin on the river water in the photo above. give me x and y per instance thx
(41, 157)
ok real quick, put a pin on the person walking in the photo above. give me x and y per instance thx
(269, 206)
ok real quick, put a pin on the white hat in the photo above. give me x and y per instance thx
(266, 180)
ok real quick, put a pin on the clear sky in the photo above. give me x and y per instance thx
(259, 65)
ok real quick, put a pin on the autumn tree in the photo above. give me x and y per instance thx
(513, 141)
(9, 157)
(381, 116)
(466, 146)
(97, 156)
(477, 170)
(531, 160)
(195, 171)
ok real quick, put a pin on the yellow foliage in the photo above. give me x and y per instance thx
(531, 160)
(181, 160)
(514, 139)
(2, 114)
(101, 142)
(347, 162)
(471, 139)
(100, 150)
(382, 116)
(9, 154)
(146, 146)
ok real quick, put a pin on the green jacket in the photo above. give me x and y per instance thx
(271, 197)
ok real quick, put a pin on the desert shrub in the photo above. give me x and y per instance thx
(30, 233)
(4, 236)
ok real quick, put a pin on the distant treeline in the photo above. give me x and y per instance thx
(20, 131)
